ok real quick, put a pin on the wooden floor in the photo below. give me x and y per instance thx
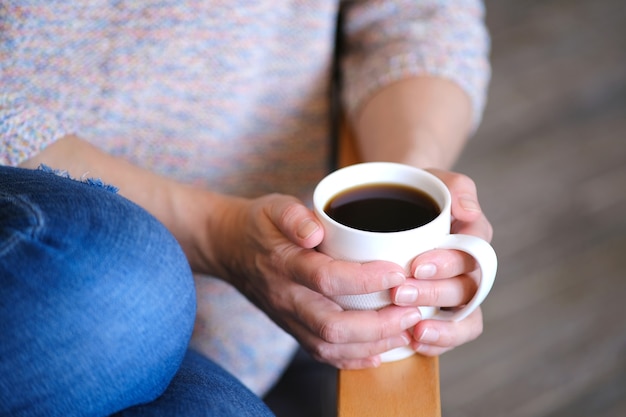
(550, 163)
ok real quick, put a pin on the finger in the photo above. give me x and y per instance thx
(442, 263)
(295, 221)
(467, 214)
(331, 277)
(450, 292)
(355, 355)
(350, 339)
(434, 337)
(480, 227)
(465, 206)
(340, 327)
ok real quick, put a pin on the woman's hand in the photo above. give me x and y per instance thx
(447, 278)
(265, 248)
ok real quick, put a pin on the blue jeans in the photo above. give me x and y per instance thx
(97, 305)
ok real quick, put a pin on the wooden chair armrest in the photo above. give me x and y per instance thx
(406, 388)
(409, 387)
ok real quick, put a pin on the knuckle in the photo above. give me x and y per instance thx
(453, 263)
(387, 329)
(333, 332)
(463, 181)
(322, 280)
(322, 352)
(429, 295)
(289, 212)
(469, 286)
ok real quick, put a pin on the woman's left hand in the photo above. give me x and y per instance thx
(447, 278)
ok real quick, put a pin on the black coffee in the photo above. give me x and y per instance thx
(382, 208)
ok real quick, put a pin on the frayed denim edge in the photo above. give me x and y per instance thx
(96, 182)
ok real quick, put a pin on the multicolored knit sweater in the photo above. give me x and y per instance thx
(231, 95)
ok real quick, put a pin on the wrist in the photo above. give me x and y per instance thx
(204, 225)
(189, 222)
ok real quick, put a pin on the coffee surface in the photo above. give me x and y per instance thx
(382, 208)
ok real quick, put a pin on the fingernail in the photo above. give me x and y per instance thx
(393, 279)
(420, 348)
(410, 319)
(307, 228)
(375, 361)
(429, 335)
(424, 271)
(406, 294)
(469, 204)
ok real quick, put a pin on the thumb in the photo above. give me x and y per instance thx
(296, 222)
(465, 206)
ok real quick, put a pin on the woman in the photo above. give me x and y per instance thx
(199, 113)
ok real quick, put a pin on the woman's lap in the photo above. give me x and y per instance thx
(97, 304)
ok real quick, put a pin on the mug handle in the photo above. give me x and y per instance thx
(487, 260)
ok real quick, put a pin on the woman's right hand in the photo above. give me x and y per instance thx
(265, 247)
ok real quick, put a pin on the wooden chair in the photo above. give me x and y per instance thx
(409, 387)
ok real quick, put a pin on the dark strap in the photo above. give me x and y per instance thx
(335, 94)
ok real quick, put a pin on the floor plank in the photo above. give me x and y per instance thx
(550, 163)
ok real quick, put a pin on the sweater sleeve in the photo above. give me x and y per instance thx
(388, 40)
(25, 129)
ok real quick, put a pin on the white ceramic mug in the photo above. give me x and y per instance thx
(346, 243)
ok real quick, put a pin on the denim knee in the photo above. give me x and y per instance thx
(98, 301)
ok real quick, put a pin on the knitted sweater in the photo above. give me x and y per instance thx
(230, 95)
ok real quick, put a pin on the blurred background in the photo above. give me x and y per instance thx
(550, 163)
